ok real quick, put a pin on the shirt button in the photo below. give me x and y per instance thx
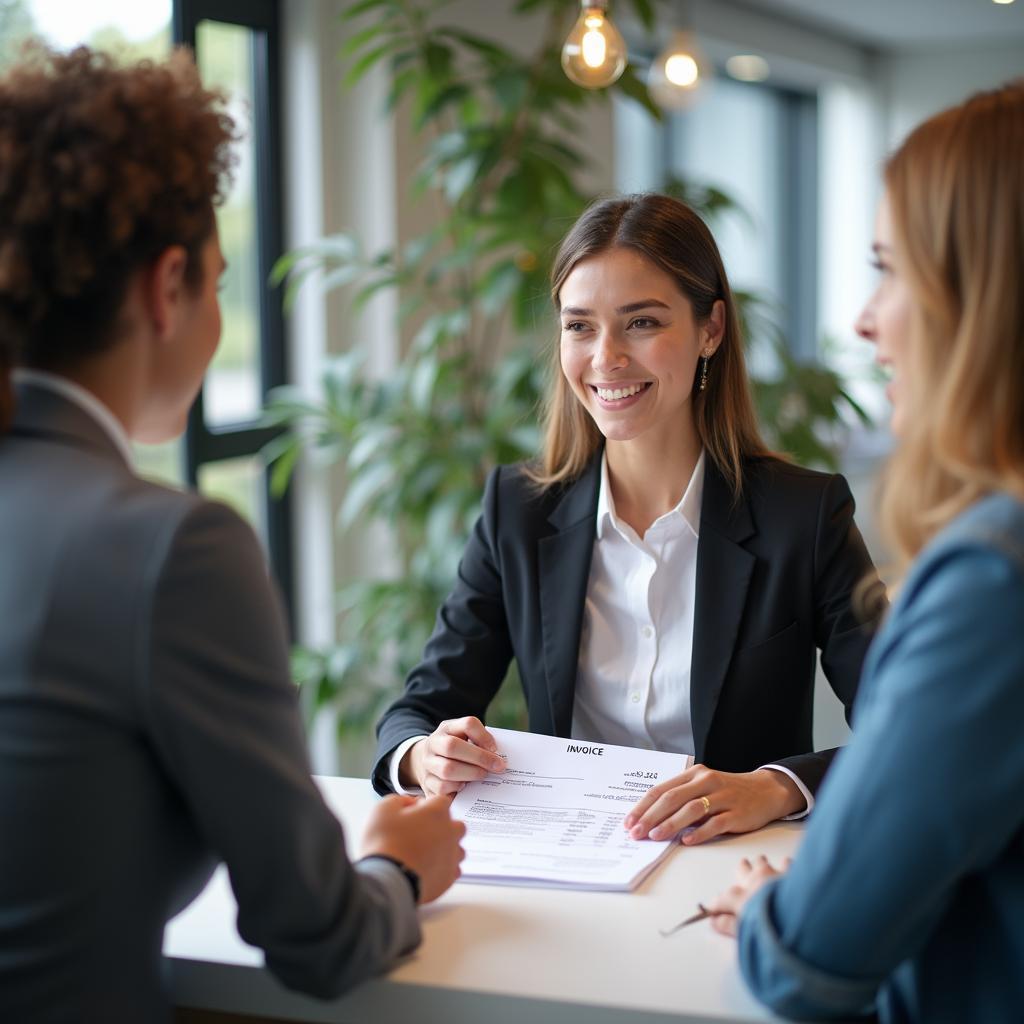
(636, 698)
(647, 632)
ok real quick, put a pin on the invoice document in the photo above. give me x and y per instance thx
(554, 816)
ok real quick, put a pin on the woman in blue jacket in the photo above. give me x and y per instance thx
(906, 898)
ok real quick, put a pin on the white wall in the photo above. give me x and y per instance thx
(921, 83)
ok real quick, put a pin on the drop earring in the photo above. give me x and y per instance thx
(703, 372)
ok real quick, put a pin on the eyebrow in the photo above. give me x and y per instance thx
(877, 247)
(630, 307)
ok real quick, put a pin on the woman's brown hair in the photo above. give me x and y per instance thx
(675, 239)
(102, 167)
(955, 190)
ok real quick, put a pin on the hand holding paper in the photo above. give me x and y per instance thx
(458, 751)
(554, 816)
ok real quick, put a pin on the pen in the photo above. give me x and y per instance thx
(702, 913)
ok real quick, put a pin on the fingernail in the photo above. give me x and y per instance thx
(657, 832)
(630, 821)
(637, 832)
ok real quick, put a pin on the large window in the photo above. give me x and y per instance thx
(759, 145)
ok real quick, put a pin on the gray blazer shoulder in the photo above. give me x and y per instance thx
(146, 704)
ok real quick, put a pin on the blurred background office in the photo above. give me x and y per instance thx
(409, 343)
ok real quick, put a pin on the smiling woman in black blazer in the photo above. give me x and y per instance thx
(661, 578)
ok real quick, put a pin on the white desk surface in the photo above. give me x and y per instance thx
(504, 955)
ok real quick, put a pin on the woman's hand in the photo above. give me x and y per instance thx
(715, 802)
(727, 907)
(458, 751)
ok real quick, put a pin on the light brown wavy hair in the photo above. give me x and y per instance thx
(102, 167)
(955, 189)
(675, 239)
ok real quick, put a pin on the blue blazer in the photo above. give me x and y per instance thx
(775, 571)
(907, 895)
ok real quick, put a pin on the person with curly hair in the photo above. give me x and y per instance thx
(148, 725)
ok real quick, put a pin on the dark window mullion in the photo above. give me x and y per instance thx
(201, 444)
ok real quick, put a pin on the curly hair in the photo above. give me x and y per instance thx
(102, 167)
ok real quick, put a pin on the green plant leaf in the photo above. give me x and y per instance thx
(362, 37)
(364, 63)
(283, 465)
(630, 85)
(362, 491)
(485, 47)
(644, 10)
(497, 286)
(438, 58)
(362, 6)
(460, 177)
(424, 379)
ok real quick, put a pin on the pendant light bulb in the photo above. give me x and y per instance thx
(676, 73)
(594, 53)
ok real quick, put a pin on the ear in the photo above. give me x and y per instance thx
(713, 329)
(164, 291)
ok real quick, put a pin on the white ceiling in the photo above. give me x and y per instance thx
(902, 24)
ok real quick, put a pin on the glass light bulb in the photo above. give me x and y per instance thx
(676, 73)
(594, 53)
(681, 69)
(748, 67)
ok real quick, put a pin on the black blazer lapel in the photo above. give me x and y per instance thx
(724, 569)
(563, 561)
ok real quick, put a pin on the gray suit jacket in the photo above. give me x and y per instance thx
(148, 729)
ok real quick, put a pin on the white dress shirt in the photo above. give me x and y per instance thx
(636, 643)
(85, 400)
(633, 684)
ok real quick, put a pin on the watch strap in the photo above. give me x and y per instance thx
(410, 876)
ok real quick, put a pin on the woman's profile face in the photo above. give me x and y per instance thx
(629, 345)
(885, 319)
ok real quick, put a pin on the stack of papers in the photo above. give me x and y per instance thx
(554, 816)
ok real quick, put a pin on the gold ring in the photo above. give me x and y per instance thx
(707, 804)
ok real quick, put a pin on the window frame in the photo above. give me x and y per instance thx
(797, 199)
(203, 445)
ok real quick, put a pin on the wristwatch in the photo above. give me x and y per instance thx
(410, 876)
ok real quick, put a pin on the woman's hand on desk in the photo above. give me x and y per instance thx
(714, 803)
(458, 751)
(422, 835)
(726, 909)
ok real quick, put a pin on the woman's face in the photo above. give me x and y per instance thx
(885, 320)
(629, 345)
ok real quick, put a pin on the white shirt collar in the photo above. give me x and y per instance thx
(688, 506)
(85, 400)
